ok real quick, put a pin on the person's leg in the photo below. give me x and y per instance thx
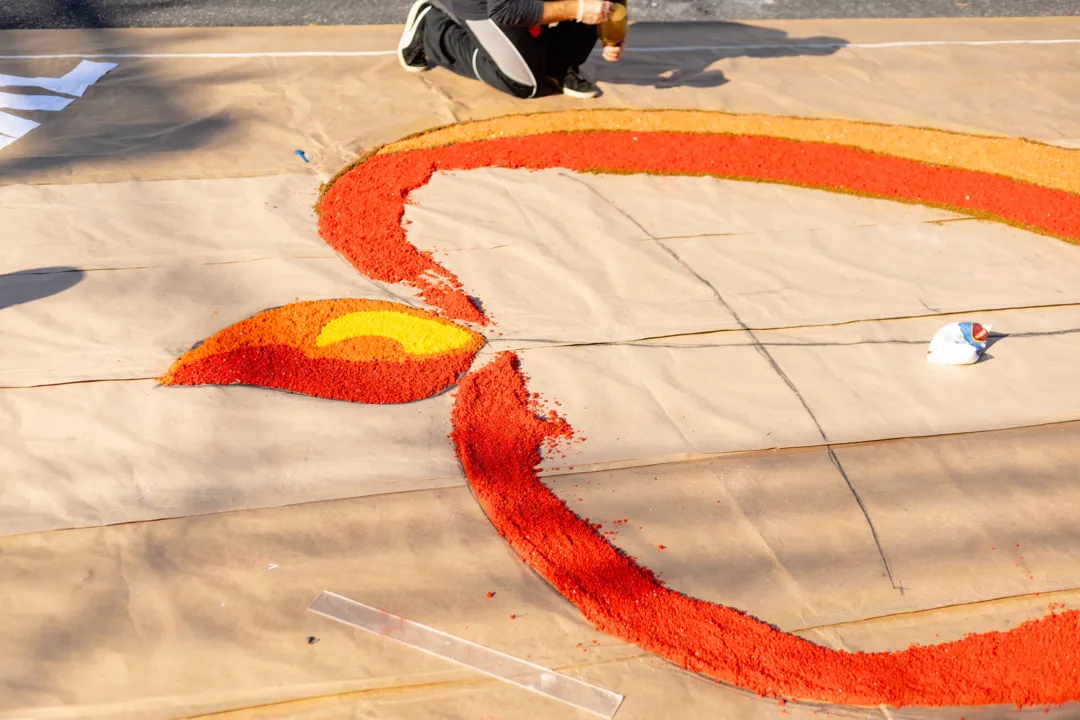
(567, 45)
(410, 48)
(447, 44)
(507, 59)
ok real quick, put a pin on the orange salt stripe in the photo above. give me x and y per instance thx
(1019, 159)
(300, 325)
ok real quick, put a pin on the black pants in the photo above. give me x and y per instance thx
(509, 59)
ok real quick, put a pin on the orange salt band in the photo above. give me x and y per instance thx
(356, 350)
(1034, 162)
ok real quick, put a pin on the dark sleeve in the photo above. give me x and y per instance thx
(516, 13)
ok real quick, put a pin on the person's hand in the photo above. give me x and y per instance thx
(595, 12)
(612, 53)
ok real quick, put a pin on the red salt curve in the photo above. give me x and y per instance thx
(360, 217)
(498, 439)
(286, 368)
(361, 214)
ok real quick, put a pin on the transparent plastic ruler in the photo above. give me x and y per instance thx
(490, 662)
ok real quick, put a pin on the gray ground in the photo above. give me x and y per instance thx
(187, 13)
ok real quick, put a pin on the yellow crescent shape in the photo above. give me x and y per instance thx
(418, 336)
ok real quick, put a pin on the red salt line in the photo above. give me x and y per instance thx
(498, 440)
(362, 212)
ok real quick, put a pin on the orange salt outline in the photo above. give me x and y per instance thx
(1031, 161)
(299, 325)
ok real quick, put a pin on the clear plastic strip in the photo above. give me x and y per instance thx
(475, 657)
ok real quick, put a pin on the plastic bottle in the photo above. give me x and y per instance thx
(613, 30)
(959, 343)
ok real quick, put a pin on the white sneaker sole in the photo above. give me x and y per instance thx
(581, 95)
(417, 12)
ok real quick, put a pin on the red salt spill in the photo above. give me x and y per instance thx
(498, 439)
(361, 214)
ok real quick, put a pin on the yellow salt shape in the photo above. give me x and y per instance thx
(418, 336)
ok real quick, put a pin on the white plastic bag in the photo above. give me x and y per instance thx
(959, 343)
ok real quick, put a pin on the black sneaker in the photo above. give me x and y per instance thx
(577, 85)
(410, 49)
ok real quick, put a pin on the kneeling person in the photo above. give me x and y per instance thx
(511, 45)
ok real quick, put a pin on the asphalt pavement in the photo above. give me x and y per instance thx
(26, 14)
